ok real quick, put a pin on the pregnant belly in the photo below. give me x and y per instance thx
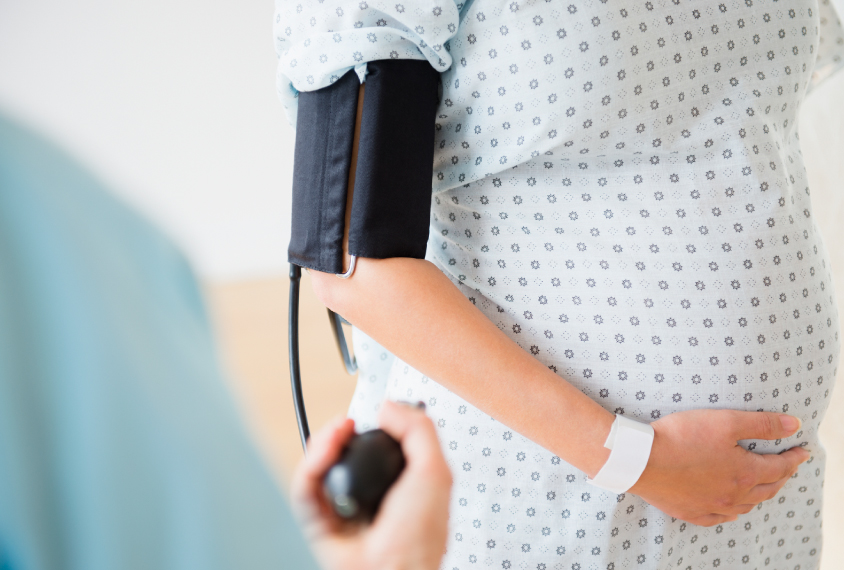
(653, 300)
(757, 335)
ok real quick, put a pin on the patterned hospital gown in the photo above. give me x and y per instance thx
(619, 186)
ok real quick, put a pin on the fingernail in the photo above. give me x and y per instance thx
(790, 423)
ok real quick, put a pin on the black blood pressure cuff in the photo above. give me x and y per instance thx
(391, 205)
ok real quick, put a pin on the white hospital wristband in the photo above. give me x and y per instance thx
(630, 442)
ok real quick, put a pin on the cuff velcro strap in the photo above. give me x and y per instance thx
(391, 205)
(630, 442)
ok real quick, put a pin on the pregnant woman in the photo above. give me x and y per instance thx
(620, 227)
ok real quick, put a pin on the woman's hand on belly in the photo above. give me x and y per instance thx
(697, 472)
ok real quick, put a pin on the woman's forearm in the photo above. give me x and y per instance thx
(414, 311)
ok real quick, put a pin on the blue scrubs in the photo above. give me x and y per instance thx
(120, 446)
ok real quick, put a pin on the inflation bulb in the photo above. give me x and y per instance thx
(368, 467)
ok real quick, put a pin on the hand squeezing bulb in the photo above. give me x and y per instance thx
(355, 485)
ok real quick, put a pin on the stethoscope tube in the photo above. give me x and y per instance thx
(372, 461)
(293, 351)
(293, 355)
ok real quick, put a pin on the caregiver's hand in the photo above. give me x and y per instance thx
(698, 473)
(409, 531)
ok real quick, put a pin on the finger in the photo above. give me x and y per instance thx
(772, 468)
(736, 510)
(713, 519)
(764, 425)
(410, 427)
(766, 491)
(423, 490)
(324, 448)
(416, 434)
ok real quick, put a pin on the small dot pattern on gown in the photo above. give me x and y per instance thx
(619, 187)
(374, 364)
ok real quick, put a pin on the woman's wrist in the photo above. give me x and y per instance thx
(583, 444)
(630, 444)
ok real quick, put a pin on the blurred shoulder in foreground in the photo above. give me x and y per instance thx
(120, 445)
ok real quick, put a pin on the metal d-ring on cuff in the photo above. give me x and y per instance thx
(337, 326)
(351, 270)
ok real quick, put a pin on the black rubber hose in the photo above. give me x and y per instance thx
(293, 355)
(372, 461)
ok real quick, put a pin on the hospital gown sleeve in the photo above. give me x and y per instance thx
(317, 41)
(326, 50)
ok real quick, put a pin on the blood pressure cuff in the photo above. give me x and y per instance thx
(391, 205)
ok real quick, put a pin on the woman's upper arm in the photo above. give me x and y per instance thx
(390, 205)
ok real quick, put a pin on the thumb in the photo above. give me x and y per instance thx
(417, 436)
(765, 425)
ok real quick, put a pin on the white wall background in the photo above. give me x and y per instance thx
(171, 102)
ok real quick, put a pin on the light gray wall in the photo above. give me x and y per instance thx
(174, 104)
